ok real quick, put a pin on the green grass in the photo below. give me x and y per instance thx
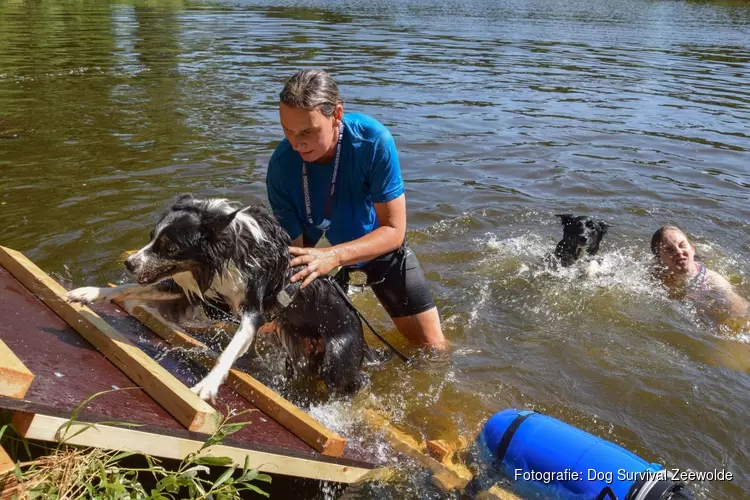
(65, 471)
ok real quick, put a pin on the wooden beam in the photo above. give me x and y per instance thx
(309, 430)
(48, 428)
(497, 493)
(439, 450)
(8, 482)
(15, 378)
(447, 476)
(312, 432)
(184, 405)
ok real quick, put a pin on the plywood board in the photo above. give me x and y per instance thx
(185, 406)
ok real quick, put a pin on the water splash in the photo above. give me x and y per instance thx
(626, 268)
(515, 271)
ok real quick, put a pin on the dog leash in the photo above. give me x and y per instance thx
(287, 294)
(343, 294)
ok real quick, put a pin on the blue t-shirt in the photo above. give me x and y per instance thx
(369, 172)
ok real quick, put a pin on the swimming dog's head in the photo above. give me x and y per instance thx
(580, 234)
(193, 233)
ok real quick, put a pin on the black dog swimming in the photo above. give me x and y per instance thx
(217, 250)
(582, 236)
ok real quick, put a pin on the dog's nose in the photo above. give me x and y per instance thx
(130, 264)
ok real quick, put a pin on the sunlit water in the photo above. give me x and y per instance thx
(505, 114)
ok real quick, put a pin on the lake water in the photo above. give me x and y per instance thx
(505, 114)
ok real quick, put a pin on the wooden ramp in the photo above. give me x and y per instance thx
(54, 355)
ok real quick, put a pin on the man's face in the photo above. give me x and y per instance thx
(312, 134)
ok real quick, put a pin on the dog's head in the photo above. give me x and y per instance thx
(580, 234)
(190, 234)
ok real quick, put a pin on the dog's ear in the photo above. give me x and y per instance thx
(218, 222)
(181, 201)
(566, 219)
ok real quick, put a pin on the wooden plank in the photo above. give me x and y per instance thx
(184, 405)
(439, 450)
(8, 482)
(497, 493)
(48, 428)
(312, 432)
(447, 476)
(15, 378)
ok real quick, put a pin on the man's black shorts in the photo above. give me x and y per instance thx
(398, 282)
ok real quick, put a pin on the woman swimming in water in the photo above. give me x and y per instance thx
(686, 278)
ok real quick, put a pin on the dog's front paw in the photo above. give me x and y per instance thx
(87, 295)
(207, 389)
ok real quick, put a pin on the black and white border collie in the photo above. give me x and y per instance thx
(582, 236)
(209, 249)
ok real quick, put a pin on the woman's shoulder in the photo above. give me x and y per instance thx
(281, 165)
(717, 281)
(282, 155)
(366, 128)
(725, 296)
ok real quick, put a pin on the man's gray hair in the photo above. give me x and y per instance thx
(310, 89)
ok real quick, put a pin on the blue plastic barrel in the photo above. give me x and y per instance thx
(562, 461)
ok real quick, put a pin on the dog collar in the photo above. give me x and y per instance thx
(290, 290)
(287, 294)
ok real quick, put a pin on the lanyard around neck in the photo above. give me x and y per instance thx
(306, 187)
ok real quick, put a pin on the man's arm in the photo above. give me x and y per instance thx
(387, 237)
(386, 187)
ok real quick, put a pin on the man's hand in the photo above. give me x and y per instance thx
(319, 261)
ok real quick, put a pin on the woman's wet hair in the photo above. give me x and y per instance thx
(658, 238)
(310, 89)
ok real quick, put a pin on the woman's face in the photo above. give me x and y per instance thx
(676, 252)
(312, 134)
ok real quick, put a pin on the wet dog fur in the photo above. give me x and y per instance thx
(582, 236)
(215, 250)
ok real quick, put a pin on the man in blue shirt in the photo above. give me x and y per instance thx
(335, 186)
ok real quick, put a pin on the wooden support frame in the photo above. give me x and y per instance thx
(447, 476)
(8, 482)
(15, 378)
(49, 428)
(497, 493)
(309, 430)
(184, 405)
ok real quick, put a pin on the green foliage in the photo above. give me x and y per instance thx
(67, 471)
